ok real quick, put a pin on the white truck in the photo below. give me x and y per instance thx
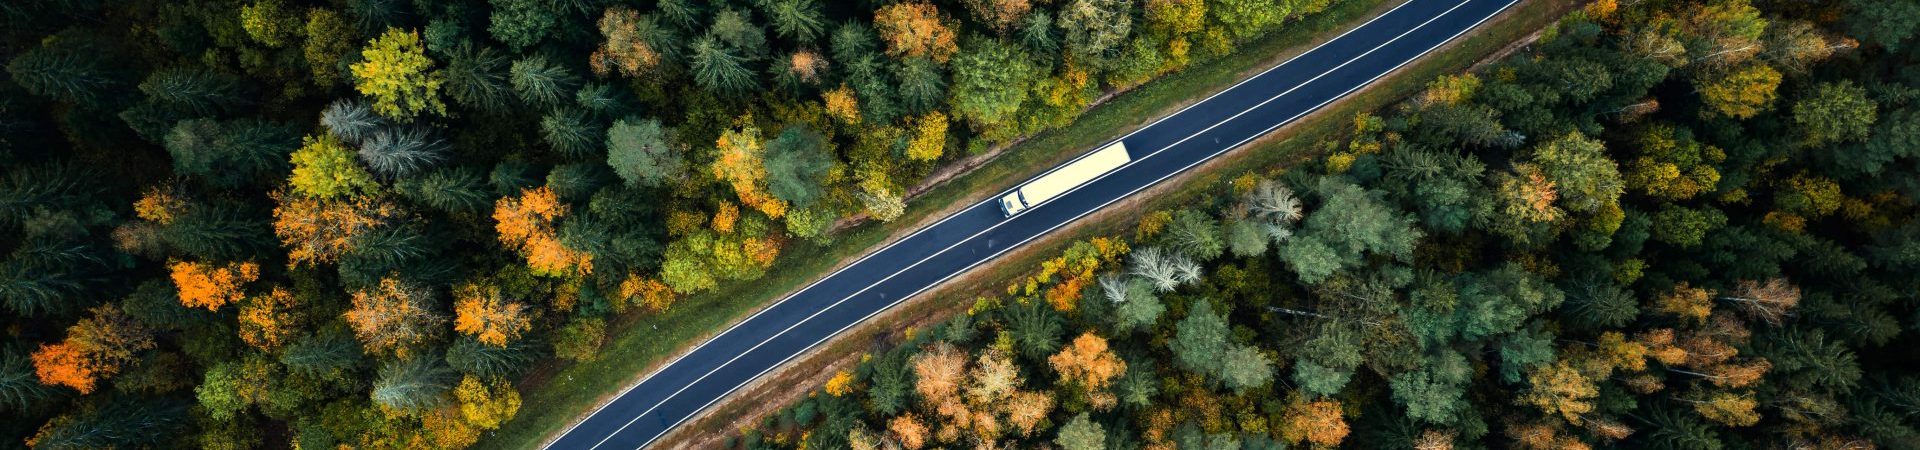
(1067, 177)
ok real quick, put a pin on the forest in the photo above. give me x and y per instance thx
(364, 223)
(1662, 225)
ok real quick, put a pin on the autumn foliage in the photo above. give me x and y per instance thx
(526, 224)
(479, 311)
(95, 348)
(205, 285)
(393, 317)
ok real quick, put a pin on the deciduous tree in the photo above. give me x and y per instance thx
(395, 71)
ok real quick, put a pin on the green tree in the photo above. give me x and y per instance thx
(640, 152)
(1081, 434)
(1244, 19)
(990, 82)
(124, 422)
(219, 391)
(1886, 23)
(195, 90)
(455, 189)
(1193, 233)
(1834, 113)
(395, 71)
(721, 69)
(542, 82)
(1245, 367)
(1200, 339)
(1311, 259)
(230, 153)
(798, 161)
(1036, 330)
(477, 77)
(413, 385)
(570, 132)
(20, 389)
(470, 356)
(68, 68)
(923, 85)
(522, 23)
(1578, 166)
(1685, 227)
(795, 20)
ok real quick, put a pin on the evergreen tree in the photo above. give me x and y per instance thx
(232, 153)
(571, 133)
(641, 154)
(413, 385)
(401, 151)
(477, 78)
(797, 164)
(351, 121)
(453, 189)
(541, 82)
(196, 90)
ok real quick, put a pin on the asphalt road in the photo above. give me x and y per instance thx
(979, 233)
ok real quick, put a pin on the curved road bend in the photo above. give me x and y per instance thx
(1166, 147)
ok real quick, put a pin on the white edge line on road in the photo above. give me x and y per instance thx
(697, 347)
(1049, 230)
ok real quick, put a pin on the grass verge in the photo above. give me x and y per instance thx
(556, 396)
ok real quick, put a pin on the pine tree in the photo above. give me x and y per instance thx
(326, 354)
(472, 357)
(68, 68)
(1036, 330)
(351, 120)
(797, 164)
(923, 85)
(123, 422)
(232, 153)
(542, 82)
(1193, 233)
(452, 189)
(720, 69)
(477, 78)
(196, 90)
(640, 152)
(20, 389)
(795, 20)
(401, 151)
(569, 132)
(413, 385)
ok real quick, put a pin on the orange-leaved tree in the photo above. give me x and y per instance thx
(479, 311)
(319, 231)
(393, 317)
(95, 348)
(526, 224)
(205, 285)
(1088, 364)
(271, 320)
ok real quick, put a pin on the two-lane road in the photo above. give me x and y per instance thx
(978, 233)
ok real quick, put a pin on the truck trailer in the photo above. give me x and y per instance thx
(1067, 177)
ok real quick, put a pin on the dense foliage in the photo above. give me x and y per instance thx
(361, 223)
(1666, 224)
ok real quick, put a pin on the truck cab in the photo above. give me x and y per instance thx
(1012, 204)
